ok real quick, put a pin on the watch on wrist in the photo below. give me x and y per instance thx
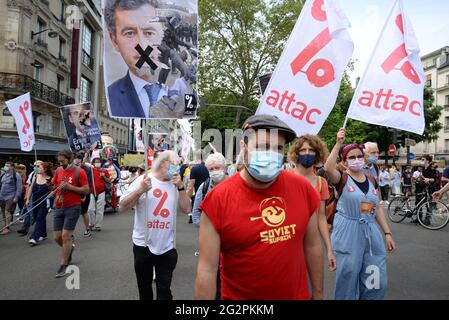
(388, 233)
(181, 189)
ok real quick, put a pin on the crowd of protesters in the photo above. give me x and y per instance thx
(262, 225)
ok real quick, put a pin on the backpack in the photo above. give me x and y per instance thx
(334, 195)
(77, 174)
(205, 187)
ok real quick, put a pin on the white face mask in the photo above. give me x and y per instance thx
(77, 162)
(97, 165)
(217, 175)
(7, 168)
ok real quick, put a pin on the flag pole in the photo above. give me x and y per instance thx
(35, 152)
(147, 209)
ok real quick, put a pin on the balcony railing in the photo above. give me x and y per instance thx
(62, 59)
(42, 43)
(87, 60)
(22, 83)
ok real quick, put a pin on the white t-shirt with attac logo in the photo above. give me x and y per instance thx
(158, 224)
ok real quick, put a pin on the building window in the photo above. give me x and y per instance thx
(56, 126)
(446, 101)
(37, 70)
(62, 10)
(62, 49)
(85, 90)
(429, 80)
(41, 26)
(447, 80)
(60, 80)
(87, 46)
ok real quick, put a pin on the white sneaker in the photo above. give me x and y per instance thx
(42, 238)
(32, 242)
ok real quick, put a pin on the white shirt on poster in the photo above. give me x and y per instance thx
(159, 223)
(139, 85)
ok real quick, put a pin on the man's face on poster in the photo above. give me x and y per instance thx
(134, 27)
(76, 116)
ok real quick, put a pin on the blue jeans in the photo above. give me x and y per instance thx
(40, 229)
(29, 217)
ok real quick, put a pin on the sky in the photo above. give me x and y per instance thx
(429, 18)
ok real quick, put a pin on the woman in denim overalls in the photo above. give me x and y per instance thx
(356, 237)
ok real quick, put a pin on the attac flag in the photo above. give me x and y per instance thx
(391, 91)
(304, 87)
(20, 109)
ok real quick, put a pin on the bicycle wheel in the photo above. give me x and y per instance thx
(397, 209)
(433, 215)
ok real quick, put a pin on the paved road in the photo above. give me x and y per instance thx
(418, 270)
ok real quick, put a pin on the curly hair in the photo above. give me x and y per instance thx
(315, 143)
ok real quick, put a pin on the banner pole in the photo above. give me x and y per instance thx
(35, 152)
(147, 209)
(345, 123)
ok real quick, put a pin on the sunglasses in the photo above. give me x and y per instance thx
(356, 157)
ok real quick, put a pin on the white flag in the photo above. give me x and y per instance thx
(391, 91)
(20, 108)
(187, 144)
(305, 84)
(140, 147)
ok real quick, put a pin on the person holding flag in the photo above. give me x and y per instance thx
(356, 237)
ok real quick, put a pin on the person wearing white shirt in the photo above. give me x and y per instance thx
(384, 184)
(156, 199)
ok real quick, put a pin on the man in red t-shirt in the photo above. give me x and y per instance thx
(97, 197)
(261, 224)
(71, 185)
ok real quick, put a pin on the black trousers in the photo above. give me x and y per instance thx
(164, 264)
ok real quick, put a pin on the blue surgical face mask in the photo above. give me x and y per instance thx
(307, 160)
(372, 160)
(265, 166)
(172, 170)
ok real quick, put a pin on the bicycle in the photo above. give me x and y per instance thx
(431, 214)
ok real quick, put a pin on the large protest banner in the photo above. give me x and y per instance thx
(20, 109)
(304, 86)
(81, 126)
(391, 91)
(150, 58)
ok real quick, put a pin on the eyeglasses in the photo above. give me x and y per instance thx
(356, 157)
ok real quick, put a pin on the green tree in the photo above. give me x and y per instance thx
(240, 40)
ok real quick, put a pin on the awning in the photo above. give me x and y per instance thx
(11, 145)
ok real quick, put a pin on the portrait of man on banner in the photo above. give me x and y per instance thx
(159, 142)
(82, 127)
(150, 58)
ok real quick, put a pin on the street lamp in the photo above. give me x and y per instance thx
(51, 34)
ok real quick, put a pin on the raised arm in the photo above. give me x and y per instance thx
(331, 164)
(130, 200)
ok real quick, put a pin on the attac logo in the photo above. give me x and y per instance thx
(398, 55)
(321, 71)
(273, 214)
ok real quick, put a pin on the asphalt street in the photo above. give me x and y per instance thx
(418, 270)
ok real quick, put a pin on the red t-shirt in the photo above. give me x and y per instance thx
(69, 199)
(262, 233)
(98, 181)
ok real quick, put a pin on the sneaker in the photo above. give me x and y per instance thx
(87, 234)
(61, 272)
(21, 220)
(32, 242)
(98, 229)
(71, 253)
(190, 219)
(42, 239)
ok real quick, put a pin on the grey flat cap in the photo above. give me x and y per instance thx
(263, 121)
